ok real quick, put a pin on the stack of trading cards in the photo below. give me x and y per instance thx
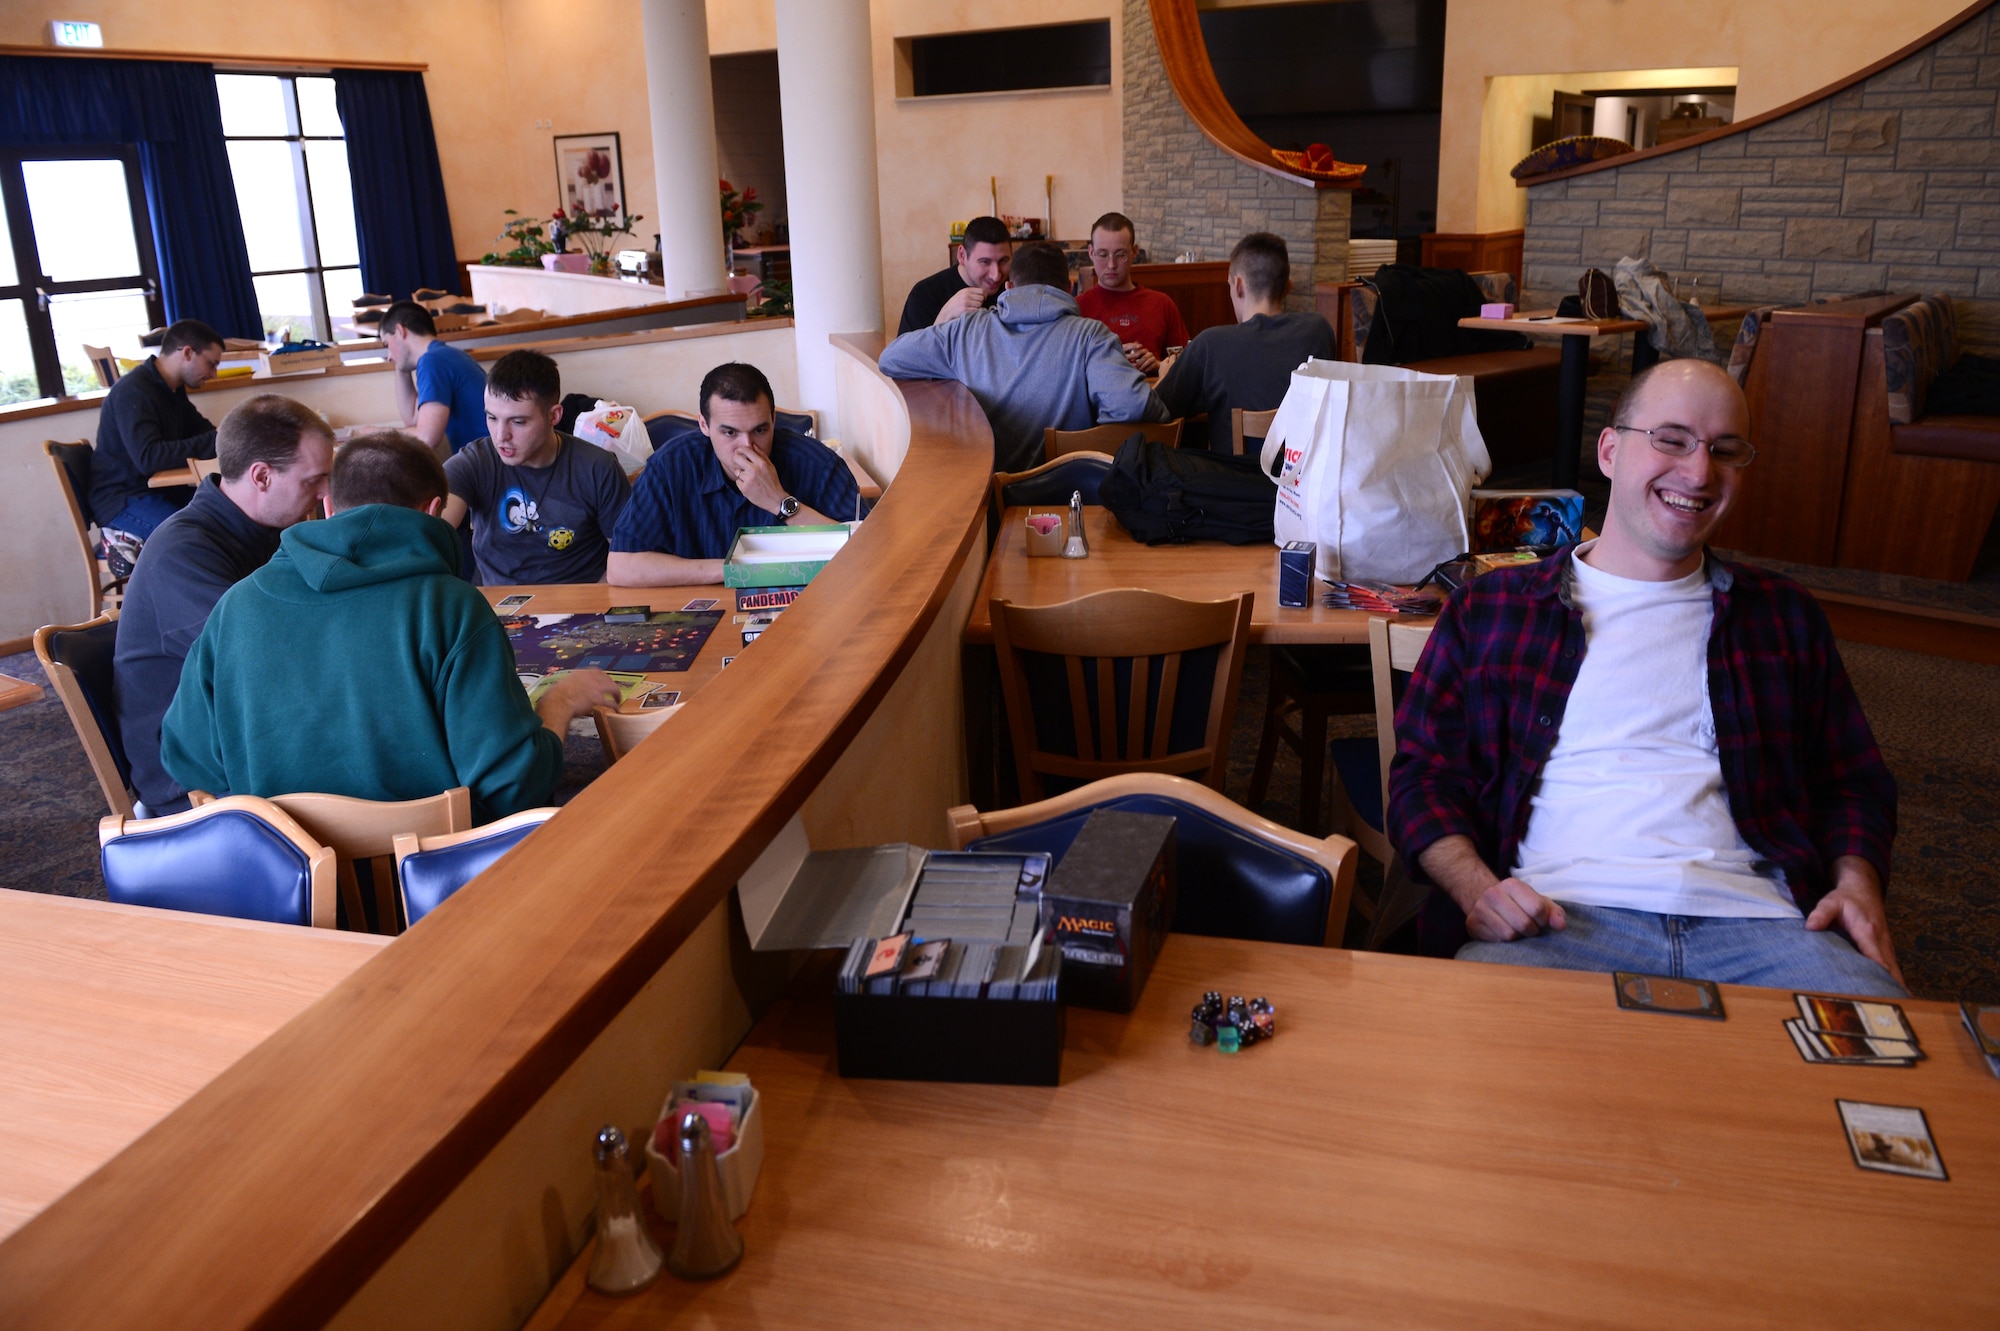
(1380, 598)
(1983, 1020)
(971, 930)
(1852, 1030)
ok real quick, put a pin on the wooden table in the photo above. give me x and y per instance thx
(1203, 571)
(595, 598)
(111, 1016)
(17, 693)
(1426, 1143)
(1575, 335)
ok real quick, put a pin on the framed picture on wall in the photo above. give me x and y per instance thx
(590, 174)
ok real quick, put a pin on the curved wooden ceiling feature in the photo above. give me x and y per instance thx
(1935, 35)
(1184, 52)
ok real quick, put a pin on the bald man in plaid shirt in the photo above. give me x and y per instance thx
(1636, 756)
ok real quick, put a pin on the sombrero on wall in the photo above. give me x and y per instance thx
(1577, 150)
(1318, 160)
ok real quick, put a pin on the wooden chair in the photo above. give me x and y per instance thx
(620, 732)
(1316, 683)
(1107, 438)
(430, 869)
(1248, 425)
(1053, 482)
(77, 660)
(72, 461)
(241, 856)
(102, 361)
(203, 468)
(1363, 765)
(662, 426)
(1147, 638)
(361, 830)
(804, 420)
(1218, 840)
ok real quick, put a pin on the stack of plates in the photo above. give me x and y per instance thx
(1365, 256)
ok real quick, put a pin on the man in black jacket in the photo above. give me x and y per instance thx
(973, 280)
(146, 425)
(275, 455)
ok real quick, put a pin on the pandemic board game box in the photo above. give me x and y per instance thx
(1110, 903)
(781, 556)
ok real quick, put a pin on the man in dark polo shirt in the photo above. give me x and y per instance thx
(146, 425)
(972, 282)
(275, 455)
(1249, 363)
(543, 503)
(739, 471)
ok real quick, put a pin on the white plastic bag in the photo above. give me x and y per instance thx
(619, 429)
(1379, 465)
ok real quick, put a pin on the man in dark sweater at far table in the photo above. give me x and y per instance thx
(275, 455)
(972, 282)
(146, 425)
(1246, 365)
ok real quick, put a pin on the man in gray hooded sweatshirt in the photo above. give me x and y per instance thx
(1032, 361)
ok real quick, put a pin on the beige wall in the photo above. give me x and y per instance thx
(1783, 49)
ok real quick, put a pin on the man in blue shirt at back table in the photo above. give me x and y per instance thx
(440, 391)
(739, 470)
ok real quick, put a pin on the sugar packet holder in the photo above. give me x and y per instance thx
(1045, 535)
(737, 1167)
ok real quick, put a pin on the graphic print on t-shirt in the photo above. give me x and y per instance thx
(518, 512)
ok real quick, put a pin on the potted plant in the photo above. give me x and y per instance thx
(737, 210)
(595, 231)
(526, 240)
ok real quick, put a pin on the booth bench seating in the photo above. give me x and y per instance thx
(1515, 391)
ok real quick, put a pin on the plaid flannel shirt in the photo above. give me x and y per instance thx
(1806, 783)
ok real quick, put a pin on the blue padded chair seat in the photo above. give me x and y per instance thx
(1058, 483)
(661, 429)
(429, 876)
(1232, 884)
(1359, 763)
(230, 864)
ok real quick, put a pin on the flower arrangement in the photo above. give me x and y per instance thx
(529, 243)
(595, 231)
(737, 209)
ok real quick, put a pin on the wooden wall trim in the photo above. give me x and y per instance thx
(1184, 53)
(275, 1192)
(1936, 34)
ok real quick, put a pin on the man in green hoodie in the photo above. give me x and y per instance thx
(356, 662)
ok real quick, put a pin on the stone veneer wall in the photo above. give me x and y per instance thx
(1184, 193)
(1893, 183)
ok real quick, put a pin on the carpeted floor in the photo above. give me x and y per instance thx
(1935, 719)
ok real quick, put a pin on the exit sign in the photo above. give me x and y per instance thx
(71, 32)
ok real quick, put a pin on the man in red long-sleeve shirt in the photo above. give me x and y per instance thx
(1147, 322)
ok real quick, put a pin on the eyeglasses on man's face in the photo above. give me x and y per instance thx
(1728, 450)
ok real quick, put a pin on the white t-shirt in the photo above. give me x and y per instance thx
(1631, 810)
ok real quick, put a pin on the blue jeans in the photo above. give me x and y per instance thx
(1779, 954)
(144, 512)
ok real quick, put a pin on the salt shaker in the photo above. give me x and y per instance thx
(626, 1259)
(706, 1243)
(1077, 547)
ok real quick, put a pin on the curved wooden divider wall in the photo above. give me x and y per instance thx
(274, 1194)
(1184, 53)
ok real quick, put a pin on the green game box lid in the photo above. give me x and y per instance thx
(781, 556)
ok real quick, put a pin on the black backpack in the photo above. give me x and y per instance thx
(1168, 496)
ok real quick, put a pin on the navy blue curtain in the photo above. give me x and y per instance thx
(170, 110)
(399, 208)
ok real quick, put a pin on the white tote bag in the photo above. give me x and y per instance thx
(1379, 465)
(618, 429)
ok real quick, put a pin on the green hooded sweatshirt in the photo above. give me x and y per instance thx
(356, 662)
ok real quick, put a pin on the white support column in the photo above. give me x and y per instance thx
(827, 95)
(678, 94)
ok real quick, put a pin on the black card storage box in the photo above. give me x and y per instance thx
(794, 898)
(1110, 903)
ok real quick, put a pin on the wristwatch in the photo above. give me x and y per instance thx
(788, 508)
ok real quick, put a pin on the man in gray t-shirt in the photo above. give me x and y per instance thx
(543, 504)
(1249, 363)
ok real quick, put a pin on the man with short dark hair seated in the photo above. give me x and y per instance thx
(275, 455)
(147, 425)
(971, 282)
(1246, 365)
(1032, 361)
(1636, 756)
(738, 470)
(543, 503)
(1147, 322)
(440, 391)
(357, 662)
